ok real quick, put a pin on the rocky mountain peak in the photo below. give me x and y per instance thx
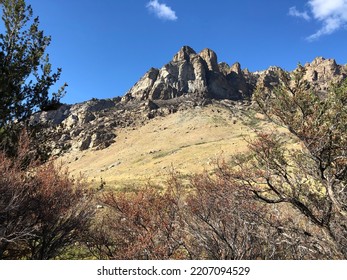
(210, 58)
(191, 79)
(321, 60)
(200, 75)
(184, 54)
(190, 73)
(236, 67)
(321, 73)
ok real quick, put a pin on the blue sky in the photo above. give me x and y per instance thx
(105, 46)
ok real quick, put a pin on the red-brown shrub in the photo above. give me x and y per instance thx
(42, 210)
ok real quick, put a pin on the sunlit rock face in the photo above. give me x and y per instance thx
(321, 73)
(189, 80)
(191, 73)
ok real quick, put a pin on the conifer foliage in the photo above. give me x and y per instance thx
(25, 71)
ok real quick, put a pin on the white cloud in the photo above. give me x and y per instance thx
(295, 13)
(162, 11)
(331, 13)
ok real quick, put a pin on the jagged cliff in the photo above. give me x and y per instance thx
(190, 79)
(195, 74)
(200, 75)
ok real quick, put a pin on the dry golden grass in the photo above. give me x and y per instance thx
(188, 141)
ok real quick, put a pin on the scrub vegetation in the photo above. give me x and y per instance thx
(274, 200)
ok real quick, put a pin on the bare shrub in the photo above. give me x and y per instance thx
(142, 224)
(223, 221)
(42, 210)
(226, 221)
(317, 186)
(210, 217)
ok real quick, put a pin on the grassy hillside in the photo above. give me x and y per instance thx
(188, 141)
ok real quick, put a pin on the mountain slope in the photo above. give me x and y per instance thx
(184, 115)
(188, 141)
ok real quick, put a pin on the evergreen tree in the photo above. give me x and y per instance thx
(25, 72)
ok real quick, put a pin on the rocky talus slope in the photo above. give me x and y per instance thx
(188, 81)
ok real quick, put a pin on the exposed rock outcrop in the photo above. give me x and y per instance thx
(200, 75)
(267, 79)
(321, 73)
(191, 73)
(79, 126)
(191, 79)
(93, 124)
